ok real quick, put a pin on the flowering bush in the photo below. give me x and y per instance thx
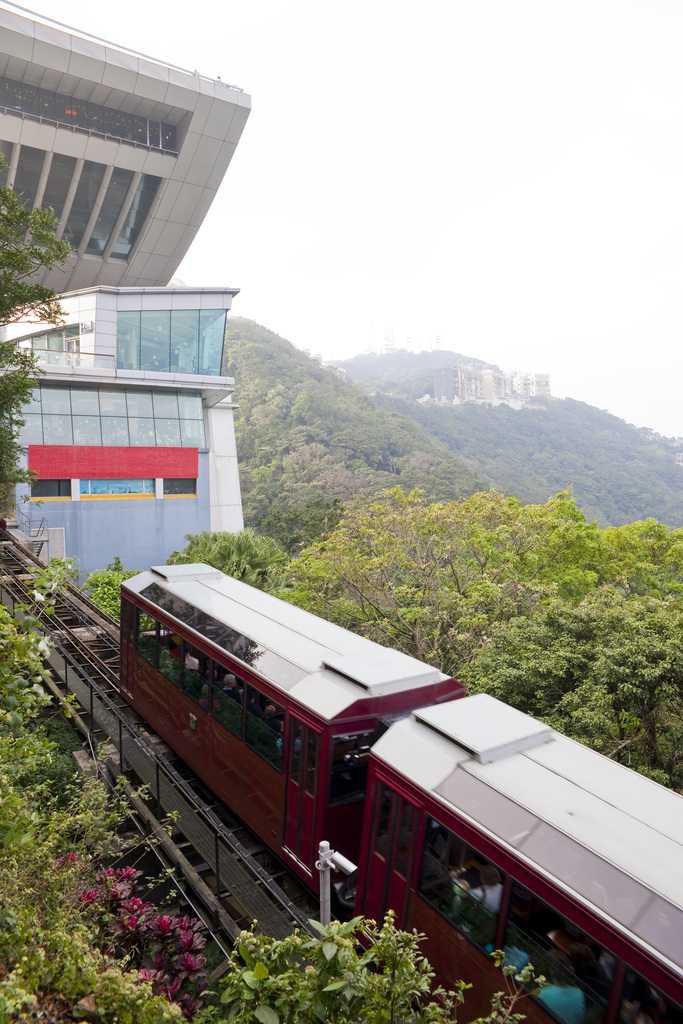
(165, 949)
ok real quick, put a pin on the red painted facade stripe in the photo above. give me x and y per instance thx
(64, 462)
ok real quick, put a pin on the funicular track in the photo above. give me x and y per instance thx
(232, 878)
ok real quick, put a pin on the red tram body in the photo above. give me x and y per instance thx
(274, 708)
(476, 824)
(486, 829)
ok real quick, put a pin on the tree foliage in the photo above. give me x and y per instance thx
(27, 247)
(435, 580)
(331, 977)
(575, 625)
(608, 672)
(247, 555)
(104, 586)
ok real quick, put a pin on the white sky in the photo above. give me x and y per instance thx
(505, 176)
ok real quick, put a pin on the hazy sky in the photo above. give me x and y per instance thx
(499, 177)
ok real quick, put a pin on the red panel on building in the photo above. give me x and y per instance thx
(64, 462)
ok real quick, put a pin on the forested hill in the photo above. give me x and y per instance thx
(618, 473)
(307, 438)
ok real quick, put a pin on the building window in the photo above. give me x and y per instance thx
(136, 216)
(97, 416)
(179, 487)
(177, 341)
(20, 98)
(116, 488)
(51, 489)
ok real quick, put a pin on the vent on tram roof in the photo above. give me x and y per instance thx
(391, 667)
(485, 727)
(186, 573)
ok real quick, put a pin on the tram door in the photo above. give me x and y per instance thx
(391, 857)
(302, 776)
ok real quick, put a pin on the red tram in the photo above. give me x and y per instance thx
(476, 824)
(275, 708)
(486, 829)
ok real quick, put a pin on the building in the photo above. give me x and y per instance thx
(130, 432)
(470, 384)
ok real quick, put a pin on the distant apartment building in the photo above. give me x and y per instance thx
(470, 384)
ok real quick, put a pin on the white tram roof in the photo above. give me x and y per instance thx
(611, 838)
(325, 667)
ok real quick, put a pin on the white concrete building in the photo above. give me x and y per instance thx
(133, 412)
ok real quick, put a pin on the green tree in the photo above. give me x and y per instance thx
(247, 555)
(104, 586)
(608, 672)
(27, 247)
(436, 580)
(296, 528)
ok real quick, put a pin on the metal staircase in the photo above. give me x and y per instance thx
(35, 534)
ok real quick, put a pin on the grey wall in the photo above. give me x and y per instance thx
(141, 532)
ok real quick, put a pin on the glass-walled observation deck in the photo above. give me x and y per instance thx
(171, 341)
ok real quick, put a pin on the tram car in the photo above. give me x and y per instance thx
(487, 830)
(274, 708)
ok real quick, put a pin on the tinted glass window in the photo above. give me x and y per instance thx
(51, 489)
(178, 486)
(642, 1003)
(461, 883)
(264, 729)
(220, 633)
(195, 683)
(169, 645)
(146, 637)
(228, 699)
(578, 969)
(349, 769)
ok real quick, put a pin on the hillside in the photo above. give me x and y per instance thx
(306, 436)
(308, 439)
(619, 473)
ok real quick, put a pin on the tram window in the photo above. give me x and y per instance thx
(311, 760)
(226, 701)
(169, 654)
(146, 637)
(405, 838)
(382, 816)
(349, 772)
(642, 1003)
(295, 756)
(264, 727)
(194, 683)
(579, 970)
(462, 884)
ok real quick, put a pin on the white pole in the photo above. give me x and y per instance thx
(324, 866)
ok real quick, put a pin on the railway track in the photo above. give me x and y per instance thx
(229, 874)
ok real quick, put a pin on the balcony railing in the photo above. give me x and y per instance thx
(84, 360)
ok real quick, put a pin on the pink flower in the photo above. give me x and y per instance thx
(188, 965)
(127, 873)
(148, 975)
(163, 925)
(191, 942)
(171, 990)
(90, 896)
